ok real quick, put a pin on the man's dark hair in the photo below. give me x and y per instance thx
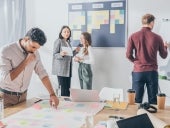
(37, 35)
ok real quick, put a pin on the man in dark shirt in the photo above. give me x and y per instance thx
(142, 50)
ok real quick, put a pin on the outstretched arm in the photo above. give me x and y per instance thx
(54, 101)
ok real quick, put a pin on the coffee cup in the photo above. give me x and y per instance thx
(131, 96)
(161, 100)
(167, 126)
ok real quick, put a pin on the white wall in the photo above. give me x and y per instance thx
(111, 67)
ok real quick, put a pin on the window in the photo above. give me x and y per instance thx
(12, 20)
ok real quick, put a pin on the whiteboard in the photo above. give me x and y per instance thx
(164, 64)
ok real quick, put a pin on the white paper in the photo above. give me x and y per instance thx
(68, 50)
(43, 97)
(108, 93)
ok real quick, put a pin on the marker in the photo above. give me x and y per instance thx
(38, 101)
(116, 117)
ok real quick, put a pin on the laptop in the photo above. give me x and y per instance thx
(82, 95)
(139, 121)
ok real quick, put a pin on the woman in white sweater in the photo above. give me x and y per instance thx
(85, 59)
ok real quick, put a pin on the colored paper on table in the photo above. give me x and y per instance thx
(116, 105)
(42, 115)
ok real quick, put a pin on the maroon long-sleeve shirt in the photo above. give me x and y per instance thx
(142, 50)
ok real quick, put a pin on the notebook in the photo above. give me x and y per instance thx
(139, 121)
(82, 95)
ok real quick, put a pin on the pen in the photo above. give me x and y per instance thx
(38, 101)
(116, 117)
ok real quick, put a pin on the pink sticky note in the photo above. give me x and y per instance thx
(37, 106)
(100, 126)
(62, 127)
(95, 105)
(2, 125)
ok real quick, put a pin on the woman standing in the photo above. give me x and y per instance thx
(62, 60)
(85, 59)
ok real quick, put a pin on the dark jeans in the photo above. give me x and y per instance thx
(65, 83)
(148, 78)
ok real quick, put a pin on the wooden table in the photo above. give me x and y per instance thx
(164, 115)
(16, 108)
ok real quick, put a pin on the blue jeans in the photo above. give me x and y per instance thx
(148, 78)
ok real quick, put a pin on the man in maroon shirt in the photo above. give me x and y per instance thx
(142, 50)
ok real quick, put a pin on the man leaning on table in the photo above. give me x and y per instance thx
(18, 60)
